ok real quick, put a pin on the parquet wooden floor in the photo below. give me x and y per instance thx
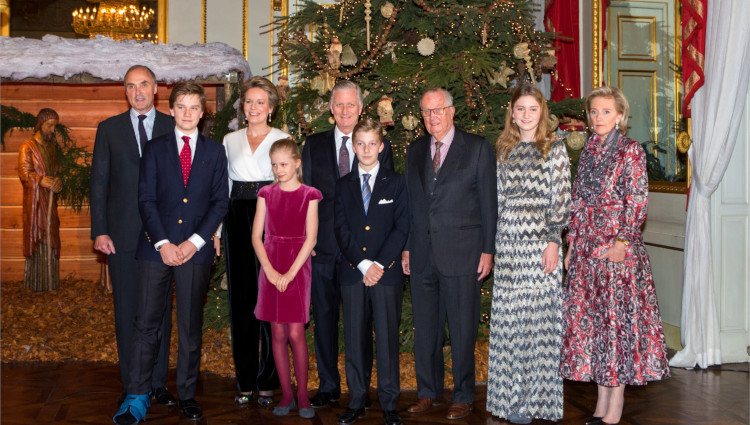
(86, 393)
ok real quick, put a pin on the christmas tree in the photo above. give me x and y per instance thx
(396, 49)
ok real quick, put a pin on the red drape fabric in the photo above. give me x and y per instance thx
(561, 16)
(693, 48)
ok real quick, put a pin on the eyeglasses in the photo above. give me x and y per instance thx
(434, 111)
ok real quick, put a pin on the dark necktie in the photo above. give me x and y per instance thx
(185, 159)
(142, 137)
(344, 161)
(436, 159)
(366, 191)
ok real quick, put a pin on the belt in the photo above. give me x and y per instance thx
(246, 190)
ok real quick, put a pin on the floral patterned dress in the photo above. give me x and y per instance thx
(613, 333)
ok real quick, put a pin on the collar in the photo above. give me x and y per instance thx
(149, 115)
(373, 173)
(193, 136)
(447, 139)
(337, 134)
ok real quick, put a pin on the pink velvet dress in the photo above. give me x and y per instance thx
(284, 234)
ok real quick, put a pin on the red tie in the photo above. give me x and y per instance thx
(185, 159)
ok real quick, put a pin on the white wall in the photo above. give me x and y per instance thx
(730, 232)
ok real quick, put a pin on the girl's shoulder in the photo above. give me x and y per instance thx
(312, 193)
(266, 190)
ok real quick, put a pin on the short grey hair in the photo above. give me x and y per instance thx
(347, 85)
(446, 95)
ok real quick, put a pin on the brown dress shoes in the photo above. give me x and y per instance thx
(458, 411)
(422, 405)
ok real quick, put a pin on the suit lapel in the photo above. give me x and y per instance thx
(355, 190)
(381, 182)
(126, 125)
(454, 158)
(330, 152)
(173, 158)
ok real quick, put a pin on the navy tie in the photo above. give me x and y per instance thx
(142, 137)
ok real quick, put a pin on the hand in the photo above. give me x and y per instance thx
(550, 257)
(171, 254)
(273, 276)
(217, 246)
(373, 275)
(188, 250)
(405, 262)
(52, 183)
(614, 253)
(567, 257)
(313, 253)
(485, 266)
(104, 244)
(283, 281)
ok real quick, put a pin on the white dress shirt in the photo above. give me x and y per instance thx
(245, 164)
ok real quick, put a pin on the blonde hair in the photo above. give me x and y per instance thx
(621, 104)
(290, 146)
(368, 124)
(511, 135)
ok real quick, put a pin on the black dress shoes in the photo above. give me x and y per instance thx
(163, 396)
(351, 415)
(368, 401)
(323, 399)
(190, 408)
(391, 417)
(594, 420)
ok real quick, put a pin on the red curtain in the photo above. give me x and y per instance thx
(693, 48)
(561, 17)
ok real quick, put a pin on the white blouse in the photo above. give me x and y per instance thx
(246, 165)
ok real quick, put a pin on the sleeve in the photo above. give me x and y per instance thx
(263, 192)
(315, 194)
(386, 157)
(99, 183)
(26, 171)
(634, 185)
(558, 211)
(350, 250)
(487, 184)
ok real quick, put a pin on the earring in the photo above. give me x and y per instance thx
(617, 125)
(269, 118)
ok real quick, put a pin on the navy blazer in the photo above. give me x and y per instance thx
(114, 179)
(456, 223)
(169, 210)
(320, 170)
(378, 236)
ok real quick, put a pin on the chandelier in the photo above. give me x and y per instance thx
(117, 19)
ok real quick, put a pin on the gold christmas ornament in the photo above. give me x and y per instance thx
(348, 58)
(323, 83)
(426, 46)
(334, 53)
(410, 122)
(576, 140)
(282, 86)
(390, 49)
(522, 51)
(386, 9)
(331, 120)
(368, 18)
(385, 110)
(501, 77)
(553, 122)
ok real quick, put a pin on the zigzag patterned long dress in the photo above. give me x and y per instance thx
(526, 323)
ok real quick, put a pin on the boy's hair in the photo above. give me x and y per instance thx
(289, 145)
(185, 88)
(368, 124)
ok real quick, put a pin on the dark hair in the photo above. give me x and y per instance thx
(184, 88)
(44, 115)
(368, 124)
(267, 86)
(143, 67)
(510, 136)
(289, 145)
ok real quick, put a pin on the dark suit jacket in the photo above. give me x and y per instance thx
(320, 170)
(114, 179)
(378, 236)
(169, 210)
(457, 223)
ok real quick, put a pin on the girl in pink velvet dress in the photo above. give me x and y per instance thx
(287, 212)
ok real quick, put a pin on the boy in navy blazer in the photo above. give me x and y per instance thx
(183, 195)
(371, 225)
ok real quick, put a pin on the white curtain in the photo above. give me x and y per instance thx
(717, 111)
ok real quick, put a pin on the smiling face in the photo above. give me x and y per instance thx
(367, 145)
(526, 114)
(140, 89)
(256, 106)
(345, 108)
(603, 115)
(187, 112)
(284, 165)
(437, 116)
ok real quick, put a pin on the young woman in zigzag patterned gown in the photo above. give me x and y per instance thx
(533, 179)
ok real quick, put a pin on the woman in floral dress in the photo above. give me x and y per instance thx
(533, 181)
(613, 332)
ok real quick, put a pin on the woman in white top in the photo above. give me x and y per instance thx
(249, 170)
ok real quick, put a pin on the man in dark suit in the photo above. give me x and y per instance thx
(371, 227)
(326, 157)
(450, 178)
(183, 195)
(115, 221)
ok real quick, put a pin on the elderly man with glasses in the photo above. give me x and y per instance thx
(450, 178)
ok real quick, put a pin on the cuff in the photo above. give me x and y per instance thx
(363, 266)
(160, 243)
(197, 241)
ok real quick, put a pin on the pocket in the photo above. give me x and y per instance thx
(469, 226)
